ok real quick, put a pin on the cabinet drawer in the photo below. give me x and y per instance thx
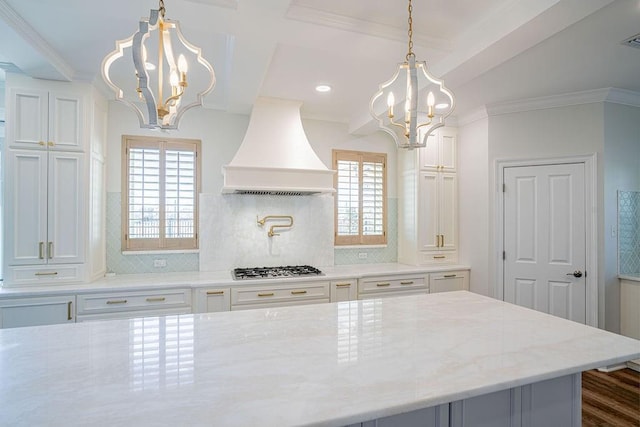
(449, 281)
(280, 293)
(391, 284)
(128, 301)
(43, 274)
(444, 257)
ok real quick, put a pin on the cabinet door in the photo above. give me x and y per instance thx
(27, 118)
(447, 149)
(344, 290)
(65, 121)
(65, 244)
(26, 207)
(36, 311)
(212, 300)
(428, 211)
(448, 211)
(429, 156)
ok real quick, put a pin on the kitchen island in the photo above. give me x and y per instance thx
(452, 357)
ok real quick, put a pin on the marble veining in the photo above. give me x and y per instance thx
(327, 364)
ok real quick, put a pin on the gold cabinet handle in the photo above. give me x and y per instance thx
(117, 301)
(50, 250)
(298, 292)
(41, 142)
(52, 273)
(448, 276)
(265, 294)
(51, 144)
(343, 285)
(381, 285)
(215, 292)
(41, 250)
(156, 299)
(69, 310)
(407, 283)
(442, 245)
(439, 257)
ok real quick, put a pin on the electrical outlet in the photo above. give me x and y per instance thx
(362, 255)
(159, 263)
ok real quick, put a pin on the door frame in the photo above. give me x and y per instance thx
(591, 224)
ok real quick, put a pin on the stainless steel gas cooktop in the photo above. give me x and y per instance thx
(275, 272)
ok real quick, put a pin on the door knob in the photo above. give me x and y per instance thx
(576, 273)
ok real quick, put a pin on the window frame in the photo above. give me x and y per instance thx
(161, 243)
(361, 157)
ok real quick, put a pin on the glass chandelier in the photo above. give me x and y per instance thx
(424, 101)
(158, 93)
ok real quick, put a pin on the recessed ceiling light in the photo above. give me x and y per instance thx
(441, 106)
(323, 88)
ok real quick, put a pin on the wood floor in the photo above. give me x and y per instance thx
(611, 399)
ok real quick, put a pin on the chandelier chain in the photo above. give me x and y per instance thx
(410, 32)
(161, 8)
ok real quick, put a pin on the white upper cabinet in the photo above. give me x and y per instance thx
(45, 119)
(440, 151)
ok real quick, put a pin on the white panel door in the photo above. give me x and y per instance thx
(544, 239)
(26, 207)
(66, 215)
(27, 126)
(428, 211)
(65, 121)
(448, 210)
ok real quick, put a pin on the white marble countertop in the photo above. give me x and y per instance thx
(126, 282)
(325, 364)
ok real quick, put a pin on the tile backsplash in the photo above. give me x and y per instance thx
(629, 233)
(230, 236)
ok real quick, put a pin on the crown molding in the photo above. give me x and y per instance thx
(473, 116)
(613, 95)
(229, 4)
(345, 23)
(35, 40)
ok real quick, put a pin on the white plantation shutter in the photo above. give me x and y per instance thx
(161, 186)
(360, 200)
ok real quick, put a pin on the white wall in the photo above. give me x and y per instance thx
(621, 172)
(229, 234)
(545, 133)
(473, 188)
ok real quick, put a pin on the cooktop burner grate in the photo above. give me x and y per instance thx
(275, 272)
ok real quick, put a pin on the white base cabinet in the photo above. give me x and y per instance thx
(37, 311)
(555, 402)
(396, 285)
(212, 300)
(279, 295)
(449, 281)
(344, 290)
(118, 305)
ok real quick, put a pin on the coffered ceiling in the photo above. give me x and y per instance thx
(487, 51)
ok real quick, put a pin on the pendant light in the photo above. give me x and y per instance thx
(422, 100)
(158, 89)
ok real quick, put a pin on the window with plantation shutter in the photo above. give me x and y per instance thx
(360, 199)
(161, 183)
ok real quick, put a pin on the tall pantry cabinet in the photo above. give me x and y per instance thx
(54, 224)
(428, 207)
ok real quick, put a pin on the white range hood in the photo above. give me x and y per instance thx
(275, 156)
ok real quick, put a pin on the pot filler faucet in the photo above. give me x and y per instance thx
(275, 217)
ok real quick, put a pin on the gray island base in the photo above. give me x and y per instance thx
(446, 359)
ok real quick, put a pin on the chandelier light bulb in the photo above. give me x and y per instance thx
(183, 67)
(390, 103)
